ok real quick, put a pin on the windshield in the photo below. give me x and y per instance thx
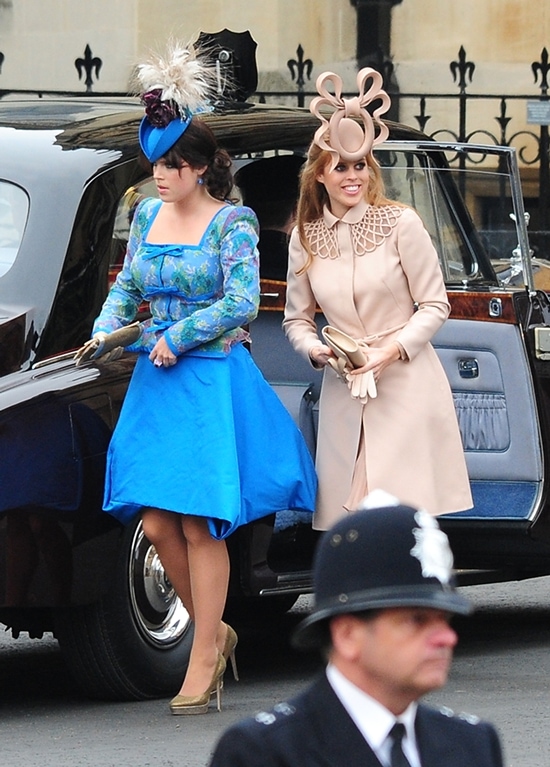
(463, 195)
(467, 207)
(14, 208)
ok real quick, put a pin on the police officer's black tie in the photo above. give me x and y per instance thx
(398, 758)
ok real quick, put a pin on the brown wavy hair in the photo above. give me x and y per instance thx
(313, 195)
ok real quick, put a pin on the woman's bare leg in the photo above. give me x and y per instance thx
(164, 530)
(209, 578)
(198, 568)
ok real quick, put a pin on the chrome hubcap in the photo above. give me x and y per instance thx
(159, 613)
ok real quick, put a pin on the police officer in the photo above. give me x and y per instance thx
(384, 597)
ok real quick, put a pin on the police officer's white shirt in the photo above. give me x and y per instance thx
(373, 720)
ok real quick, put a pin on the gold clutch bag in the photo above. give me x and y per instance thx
(99, 347)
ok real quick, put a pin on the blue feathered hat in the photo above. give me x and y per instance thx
(173, 88)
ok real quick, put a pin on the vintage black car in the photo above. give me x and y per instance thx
(70, 176)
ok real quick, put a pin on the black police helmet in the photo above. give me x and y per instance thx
(390, 556)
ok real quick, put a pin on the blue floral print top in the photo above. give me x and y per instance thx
(199, 295)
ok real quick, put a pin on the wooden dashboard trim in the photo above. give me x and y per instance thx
(465, 304)
(475, 305)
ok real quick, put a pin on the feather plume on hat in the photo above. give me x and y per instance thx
(177, 84)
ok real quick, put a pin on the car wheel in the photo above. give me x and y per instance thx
(135, 642)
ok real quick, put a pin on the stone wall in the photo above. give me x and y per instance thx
(41, 39)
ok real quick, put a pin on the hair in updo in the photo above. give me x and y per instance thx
(198, 147)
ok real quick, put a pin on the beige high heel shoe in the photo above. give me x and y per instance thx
(228, 651)
(185, 705)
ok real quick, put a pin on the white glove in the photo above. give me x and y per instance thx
(338, 364)
(362, 386)
(90, 348)
(111, 355)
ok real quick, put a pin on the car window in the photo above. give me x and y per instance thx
(466, 209)
(424, 181)
(487, 194)
(123, 219)
(432, 191)
(14, 208)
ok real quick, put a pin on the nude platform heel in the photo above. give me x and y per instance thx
(186, 705)
(228, 651)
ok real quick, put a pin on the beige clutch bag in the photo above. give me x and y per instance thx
(99, 347)
(350, 356)
(345, 347)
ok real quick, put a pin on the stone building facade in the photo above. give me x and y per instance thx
(42, 43)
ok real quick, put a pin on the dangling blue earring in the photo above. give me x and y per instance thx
(200, 181)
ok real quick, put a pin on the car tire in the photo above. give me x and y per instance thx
(133, 643)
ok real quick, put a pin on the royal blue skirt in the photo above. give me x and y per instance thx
(207, 437)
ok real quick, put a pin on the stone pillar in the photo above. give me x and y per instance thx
(373, 47)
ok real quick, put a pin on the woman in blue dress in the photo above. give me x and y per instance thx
(202, 444)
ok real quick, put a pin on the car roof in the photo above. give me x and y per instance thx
(30, 113)
(108, 123)
(54, 147)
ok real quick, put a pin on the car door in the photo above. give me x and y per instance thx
(470, 212)
(470, 202)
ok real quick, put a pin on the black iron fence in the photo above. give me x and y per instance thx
(518, 120)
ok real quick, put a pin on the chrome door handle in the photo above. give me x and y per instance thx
(468, 368)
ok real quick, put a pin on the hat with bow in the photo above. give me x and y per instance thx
(350, 132)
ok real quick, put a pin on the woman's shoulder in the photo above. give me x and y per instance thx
(146, 209)
(387, 208)
(390, 215)
(148, 204)
(232, 215)
(313, 226)
(407, 214)
(409, 217)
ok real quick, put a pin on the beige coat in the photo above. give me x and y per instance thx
(370, 269)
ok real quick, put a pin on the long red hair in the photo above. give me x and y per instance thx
(313, 195)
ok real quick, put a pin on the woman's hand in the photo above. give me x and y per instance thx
(162, 355)
(321, 355)
(379, 358)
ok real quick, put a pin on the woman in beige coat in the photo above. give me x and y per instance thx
(371, 267)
